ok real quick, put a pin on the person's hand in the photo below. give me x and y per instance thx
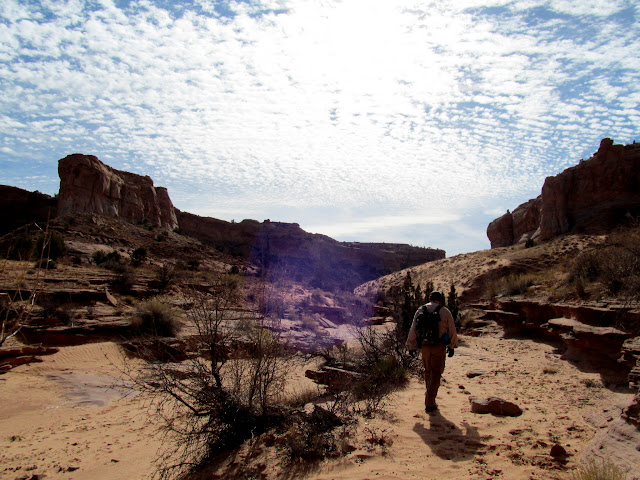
(450, 351)
(412, 353)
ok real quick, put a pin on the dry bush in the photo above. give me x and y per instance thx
(514, 284)
(613, 267)
(223, 394)
(379, 364)
(16, 307)
(156, 318)
(593, 470)
(165, 275)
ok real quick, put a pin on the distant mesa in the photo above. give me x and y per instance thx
(89, 186)
(592, 197)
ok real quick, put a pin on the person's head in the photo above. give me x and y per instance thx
(435, 297)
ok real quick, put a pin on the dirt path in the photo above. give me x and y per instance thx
(562, 405)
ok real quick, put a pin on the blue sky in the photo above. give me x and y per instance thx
(403, 121)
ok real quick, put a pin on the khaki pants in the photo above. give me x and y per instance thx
(433, 359)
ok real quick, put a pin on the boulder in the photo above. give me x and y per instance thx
(89, 186)
(494, 406)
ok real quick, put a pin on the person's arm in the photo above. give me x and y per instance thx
(412, 339)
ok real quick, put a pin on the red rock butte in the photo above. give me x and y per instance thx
(593, 197)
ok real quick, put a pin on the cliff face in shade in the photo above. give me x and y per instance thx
(19, 207)
(592, 197)
(89, 186)
(286, 250)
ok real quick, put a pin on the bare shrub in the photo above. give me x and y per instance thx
(226, 392)
(165, 275)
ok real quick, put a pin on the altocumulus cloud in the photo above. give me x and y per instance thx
(399, 121)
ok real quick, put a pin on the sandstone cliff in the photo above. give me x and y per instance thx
(592, 197)
(19, 207)
(89, 186)
(286, 250)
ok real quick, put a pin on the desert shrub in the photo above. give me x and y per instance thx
(514, 284)
(124, 278)
(585, 267)
(517, 284)
(614, 265)
(22, 247)
(593, 470)
(165, 275)
(313, 437)
(61, 311)
(107, 260)
(154, 317)
(211, 403)
(51, 245)
(138, 255)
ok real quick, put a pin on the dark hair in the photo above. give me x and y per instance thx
(435, 295)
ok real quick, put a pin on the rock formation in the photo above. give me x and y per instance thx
(591, 197)
(88, 185)
(19, 207)
(286, 249)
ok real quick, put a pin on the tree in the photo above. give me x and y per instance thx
(453, 304)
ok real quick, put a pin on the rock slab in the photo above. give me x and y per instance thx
(494, 406)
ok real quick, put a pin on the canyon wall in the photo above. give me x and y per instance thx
(594, 197)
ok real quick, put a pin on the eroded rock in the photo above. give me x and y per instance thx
(494, 406)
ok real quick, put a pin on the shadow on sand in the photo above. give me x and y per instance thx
(447, 440)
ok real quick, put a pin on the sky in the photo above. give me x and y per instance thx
(399, 121)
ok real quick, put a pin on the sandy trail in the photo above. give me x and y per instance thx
(562, 405)
(64, 418)
(68, 417)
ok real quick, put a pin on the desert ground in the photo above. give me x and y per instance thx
(71, 416)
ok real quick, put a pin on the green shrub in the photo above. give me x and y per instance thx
(22, 247)
(154, 317)
(108, 260)
(138, 255)
(54, 247)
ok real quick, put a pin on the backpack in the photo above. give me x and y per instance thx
(427, 326)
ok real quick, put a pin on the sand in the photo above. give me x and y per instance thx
(69, 417)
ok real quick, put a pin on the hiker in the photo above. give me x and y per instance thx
(434, 344)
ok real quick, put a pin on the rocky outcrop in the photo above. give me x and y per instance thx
(586, 330)
(592, 197)
(19, 207)
(89, 186)
(494, 406)
(286, 249)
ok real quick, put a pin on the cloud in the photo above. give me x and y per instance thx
(248, 106)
